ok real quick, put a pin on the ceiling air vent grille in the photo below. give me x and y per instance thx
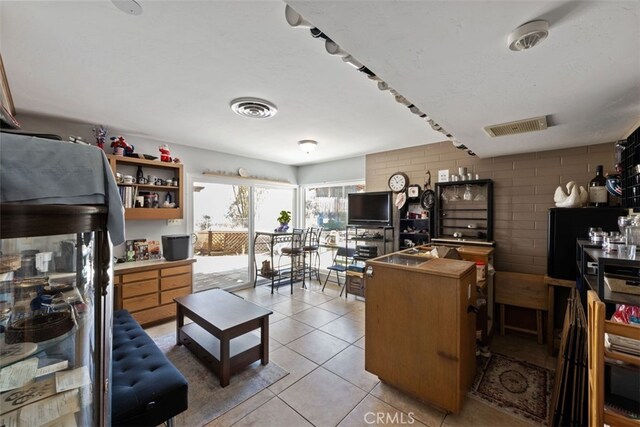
(519, 126)
(254, 108)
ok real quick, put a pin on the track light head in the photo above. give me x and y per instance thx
(333, 49)
(295, 19)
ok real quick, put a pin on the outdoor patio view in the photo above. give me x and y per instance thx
(221, 218)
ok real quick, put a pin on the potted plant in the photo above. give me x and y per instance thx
(284, 219)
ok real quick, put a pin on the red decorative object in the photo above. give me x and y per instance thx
(119, 142)
(165, 154)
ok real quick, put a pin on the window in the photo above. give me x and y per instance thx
(326, 206)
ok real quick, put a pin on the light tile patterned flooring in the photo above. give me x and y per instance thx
(319, 339)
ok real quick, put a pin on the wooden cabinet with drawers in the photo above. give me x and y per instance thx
(147, 288)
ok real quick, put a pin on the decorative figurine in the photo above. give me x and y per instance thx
(165, 154)
(100, 134)
(574, 197)
(120, 146)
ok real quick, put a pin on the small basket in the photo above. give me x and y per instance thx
(620, 285)
(9, 263)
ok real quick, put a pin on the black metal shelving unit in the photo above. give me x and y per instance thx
(370, 235)
(413, 227)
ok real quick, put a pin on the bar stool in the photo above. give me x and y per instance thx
(311, 245)
(294, 252)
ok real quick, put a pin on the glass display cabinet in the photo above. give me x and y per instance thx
(55, 309)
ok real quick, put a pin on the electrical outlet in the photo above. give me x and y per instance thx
(174, 221)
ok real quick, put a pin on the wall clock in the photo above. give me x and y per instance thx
(413, 192)
(398, 182)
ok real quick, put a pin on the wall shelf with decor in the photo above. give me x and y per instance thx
(168, 173)
(464, 211)
(414, 229)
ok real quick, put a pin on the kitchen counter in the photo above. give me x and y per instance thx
(420, 335)
(132, 267)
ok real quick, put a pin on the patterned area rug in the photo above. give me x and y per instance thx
(207, 400)
(516, 387)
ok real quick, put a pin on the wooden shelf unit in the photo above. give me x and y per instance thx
(164, 170)
(599, 411)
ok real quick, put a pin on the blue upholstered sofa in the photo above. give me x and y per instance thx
(146, 389)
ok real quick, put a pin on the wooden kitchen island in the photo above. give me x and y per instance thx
(420, 336)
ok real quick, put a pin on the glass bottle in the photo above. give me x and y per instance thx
(598, 194)
(140, 175)
(467, 193)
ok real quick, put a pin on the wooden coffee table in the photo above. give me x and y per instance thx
(219, 317)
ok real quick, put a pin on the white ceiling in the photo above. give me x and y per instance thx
(171, 72)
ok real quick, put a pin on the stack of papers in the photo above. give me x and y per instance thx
(622, 344)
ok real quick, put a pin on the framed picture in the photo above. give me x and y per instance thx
(443, 175)
(413, 191)
(7, 110)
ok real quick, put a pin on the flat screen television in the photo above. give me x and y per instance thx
(373, 208)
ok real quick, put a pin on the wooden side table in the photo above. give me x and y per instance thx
(521, 290)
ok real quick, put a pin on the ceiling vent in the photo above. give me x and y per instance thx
(528, 35)
(519, 126)
(253, 108)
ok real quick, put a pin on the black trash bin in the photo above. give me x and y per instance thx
(175, 247)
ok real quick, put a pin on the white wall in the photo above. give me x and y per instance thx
(352, 169)
(195, 162)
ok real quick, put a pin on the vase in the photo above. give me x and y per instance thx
(118, 151)
(282, 228)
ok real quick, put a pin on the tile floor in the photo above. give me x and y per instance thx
(319, 339)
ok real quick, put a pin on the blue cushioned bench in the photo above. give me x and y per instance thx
(146, 389)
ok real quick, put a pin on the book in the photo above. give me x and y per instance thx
(154, 249)
(142, 250)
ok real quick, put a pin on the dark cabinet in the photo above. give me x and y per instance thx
(630, 180)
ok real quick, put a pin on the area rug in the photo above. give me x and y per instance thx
(513, 386)
(207, 400)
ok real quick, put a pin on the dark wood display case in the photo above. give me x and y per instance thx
(82, 293)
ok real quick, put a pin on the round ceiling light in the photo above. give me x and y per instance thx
(528, 35)
(130, 7)
(307, 145)
(254, 108)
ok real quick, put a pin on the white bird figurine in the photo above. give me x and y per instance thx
(575, 196)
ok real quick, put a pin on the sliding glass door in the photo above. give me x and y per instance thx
(221, 224)
(225, 217)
